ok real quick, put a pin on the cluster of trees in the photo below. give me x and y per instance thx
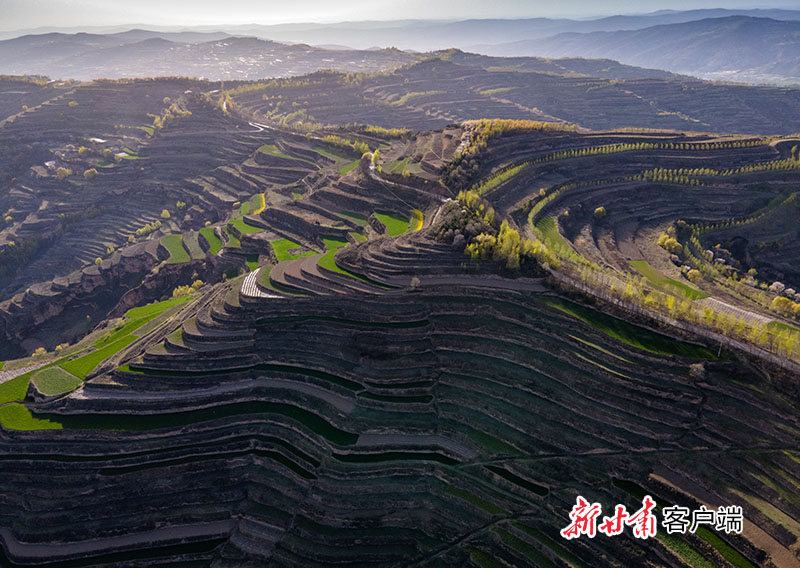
(748, 286)
(662, 175)
(508, 248)
(482, 130)
(356, 146)
(477, 205)
(786, 307)
(146, 230)
(187, 289)
(633, 290)
(669, 243)
(172, 112)
(389, 132)
(63, 173)
(415, 95)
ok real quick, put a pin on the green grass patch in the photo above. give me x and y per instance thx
(82, 366)
(192, 244)
(684, 550)
(553, 545)
(55, 380)
(527, 550)
(495, 445)
(282, 248)
(356, 218)
(414, 168)
(119, 338)
(18, 417)
(480, 558)
(358, 237)
(257, 203)
(328, 262)
(154, 309)
(629, 334)
(297, 195)
(490, 508)
(396, 167)
(343, 171)
(395, 224)
(595, 346)
(149, 129)
(273, 150)
(214, 244)
(666, 284)
(233, 242)
(139, 422)
(252, 262)
(242, 226)
(337, 157)
(15, 389)
(546, 227)
(2, 364)
(174, 244)
(777, 326)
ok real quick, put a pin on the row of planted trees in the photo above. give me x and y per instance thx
(625, 288)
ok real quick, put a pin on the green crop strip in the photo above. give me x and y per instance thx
(139, 422)
(629, 334)
(214, 244)
(174, 244)
(667, 284)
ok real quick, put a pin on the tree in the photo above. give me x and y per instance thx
(63, 173)
(91, 173)
(376, 156)
(600, 212)
(72, 104)
(83, 151)
(180, 205)
(694, 275)
(165, 214)
(783, 305)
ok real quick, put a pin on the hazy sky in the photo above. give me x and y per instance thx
(18, 14)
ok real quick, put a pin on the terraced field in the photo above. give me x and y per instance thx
(473, 415)
(343, 385)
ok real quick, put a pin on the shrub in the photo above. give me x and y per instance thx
(63, 173)
(694, 275)
(600, 212)
(165, 214)
(91, 173)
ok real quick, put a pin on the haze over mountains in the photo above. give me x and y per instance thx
(756, 46)
(737, 47)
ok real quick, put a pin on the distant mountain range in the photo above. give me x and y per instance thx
(428, 35)
(755, 46)
(738, 48)
(140, 53)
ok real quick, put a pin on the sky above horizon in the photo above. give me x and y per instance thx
(29, 14)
